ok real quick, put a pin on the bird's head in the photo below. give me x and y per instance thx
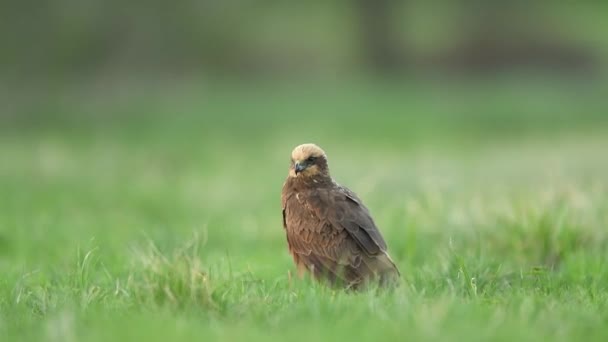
(308, 160)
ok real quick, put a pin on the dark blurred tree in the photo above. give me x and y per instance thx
(57, 38)
(378, 38)
(502, 35)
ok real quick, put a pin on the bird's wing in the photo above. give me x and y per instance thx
(334, 234)
(344, 211)
(326, 213)
(285, 195)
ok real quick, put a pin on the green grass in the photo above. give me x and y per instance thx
(156, 216)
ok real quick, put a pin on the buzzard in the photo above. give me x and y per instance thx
(330, 232)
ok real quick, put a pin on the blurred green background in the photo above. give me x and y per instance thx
(143, 146)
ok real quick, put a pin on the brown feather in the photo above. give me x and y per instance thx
(329, 230)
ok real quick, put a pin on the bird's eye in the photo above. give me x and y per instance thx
(311, 159)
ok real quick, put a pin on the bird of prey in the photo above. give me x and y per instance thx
(330, 232)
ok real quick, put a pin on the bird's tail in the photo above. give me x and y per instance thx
(382, 268)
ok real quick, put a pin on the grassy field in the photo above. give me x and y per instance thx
(130, 214)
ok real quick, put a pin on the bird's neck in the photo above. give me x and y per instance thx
(304, 183)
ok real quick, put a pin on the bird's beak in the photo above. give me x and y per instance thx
(299, 167)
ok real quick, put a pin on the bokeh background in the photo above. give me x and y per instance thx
(479, 127)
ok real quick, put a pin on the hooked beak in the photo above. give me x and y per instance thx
(299, 167)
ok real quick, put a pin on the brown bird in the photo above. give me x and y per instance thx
(330, 232)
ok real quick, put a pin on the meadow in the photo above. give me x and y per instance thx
(137, 212)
